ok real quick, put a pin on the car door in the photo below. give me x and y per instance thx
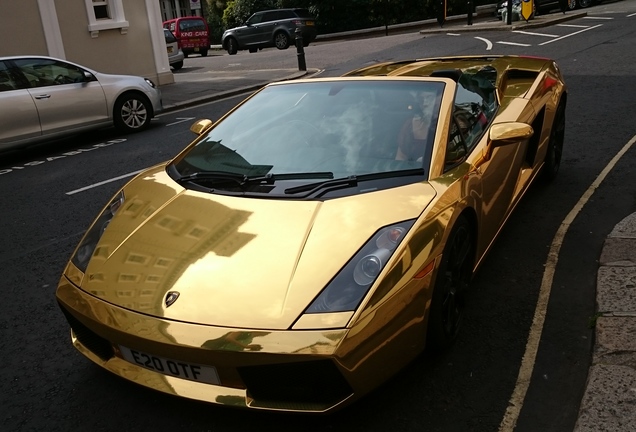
(19, 120)
(265, 29)
(66, 97)
(248, 34)
(475, 108)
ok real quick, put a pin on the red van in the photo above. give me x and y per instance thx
(192, 34)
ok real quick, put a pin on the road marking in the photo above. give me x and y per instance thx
(453, 34)
(94, 185)
(181, 120)
(599, 18)
(488, 43)
(514, 43)
(535, 34)
(572, 25)
(534, 337)
(571, 34)
(631, 15)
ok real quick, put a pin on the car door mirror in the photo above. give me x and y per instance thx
(88, 77)
(509, 133)
(200, 126)
(502, 134)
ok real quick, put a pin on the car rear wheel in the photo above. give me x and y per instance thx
(555, 145)
(178, 65)
(253, 50)
(585, 3)
(281, 40)
(132, 112)
(453, 277)
(232, 46)
(204, 53)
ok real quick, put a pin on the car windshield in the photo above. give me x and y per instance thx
(303, 132)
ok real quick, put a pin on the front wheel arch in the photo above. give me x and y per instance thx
(554, 152)
(132, 112)
(451, 283)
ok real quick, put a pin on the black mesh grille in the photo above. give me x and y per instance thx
(311, 382)
(96, 344)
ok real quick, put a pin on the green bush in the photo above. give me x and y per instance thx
(343, 15)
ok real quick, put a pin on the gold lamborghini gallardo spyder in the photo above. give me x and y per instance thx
(314, 240)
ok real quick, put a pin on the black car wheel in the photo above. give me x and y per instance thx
(585, 3)
(204, 53)
(232, 46)
(281, 40)
(132, 112)
(452, 280)
(555, 145)
(253, 50)
(178, 65)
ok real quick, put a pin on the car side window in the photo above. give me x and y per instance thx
(456, 149)
(255, 19)
(271, 16)
(475, 103)
(7, 79)
(46, 72)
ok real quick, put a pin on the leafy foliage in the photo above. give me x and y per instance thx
(339, 15)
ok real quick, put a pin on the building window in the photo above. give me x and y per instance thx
(101, 9)
(105, 15)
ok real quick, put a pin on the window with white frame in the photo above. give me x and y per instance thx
(105, 15)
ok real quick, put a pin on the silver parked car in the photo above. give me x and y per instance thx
(175, 54)
(42, 98)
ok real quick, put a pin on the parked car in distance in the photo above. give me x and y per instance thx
(545, 6)
(192, 34)
(175, 55)
(270, 28)
(43, 98)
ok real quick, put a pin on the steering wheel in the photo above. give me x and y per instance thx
(61, 79)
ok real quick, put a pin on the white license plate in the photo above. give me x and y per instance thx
(175, 368)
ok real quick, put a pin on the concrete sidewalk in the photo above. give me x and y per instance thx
(609, 402)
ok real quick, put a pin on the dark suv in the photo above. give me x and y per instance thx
(271, 28)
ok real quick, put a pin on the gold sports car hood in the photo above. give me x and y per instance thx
(234, 261)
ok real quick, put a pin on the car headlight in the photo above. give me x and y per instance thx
(150, 83)
(347, 289)
(85, 250)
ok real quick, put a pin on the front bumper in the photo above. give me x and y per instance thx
(290, 371)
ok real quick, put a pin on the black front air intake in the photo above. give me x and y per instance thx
(311, 382)
(96, 344)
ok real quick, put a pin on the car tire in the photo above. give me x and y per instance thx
(204, 53)
(585, 3)
(253, 50)
(178, 65)
(555, 145)
(132, 112)
(281, 40)
(452, 280)
(232, 46)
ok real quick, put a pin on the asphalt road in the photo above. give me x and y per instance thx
(51, 193)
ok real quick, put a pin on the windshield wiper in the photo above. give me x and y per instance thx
(242, 179)
(351, 181)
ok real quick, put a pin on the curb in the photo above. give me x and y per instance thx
(610, 392)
